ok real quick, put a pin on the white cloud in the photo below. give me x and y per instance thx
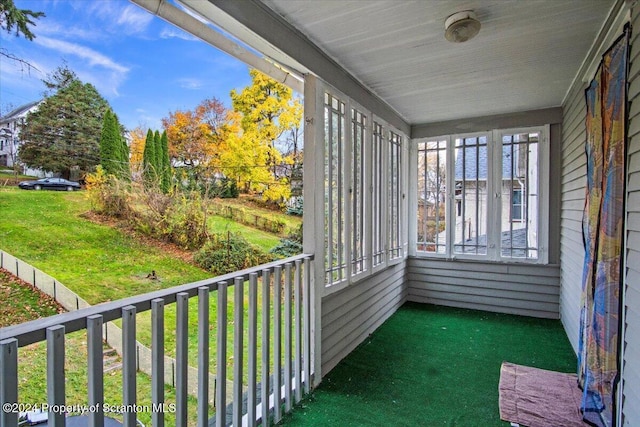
(114, 18)
(93, 57)
(134, 19)
(190, 83)
(53, 28)
(169, 33)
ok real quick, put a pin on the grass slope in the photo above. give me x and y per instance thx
(45, 229)
(24, 303)
(433, 366)
(21, 302)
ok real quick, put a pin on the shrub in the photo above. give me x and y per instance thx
(107, 194)
(224, 188)
(228, 252)
(286, 248)
(290, 245)
(187, 222)
(296, 208)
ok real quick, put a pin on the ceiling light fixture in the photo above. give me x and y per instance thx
(461, 26)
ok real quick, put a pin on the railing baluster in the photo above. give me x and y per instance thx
(182, 342)
(264, 395)
(296, 301)
(287, 338)
(157, 360)
(95, 370)
(238, 318)
(253, 345)
(221, 357)
(55, 374)
(9, 380)
(203, 356)
(277, 344)
(298, 330)
(129, 363)
(306, 303)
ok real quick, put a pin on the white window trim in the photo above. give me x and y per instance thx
(451, 209)
(370, 270)
(494, 141)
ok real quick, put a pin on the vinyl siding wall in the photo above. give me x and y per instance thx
(630, 367)
(573, 182)
(524, 289)
(571, 245)
(352, 314)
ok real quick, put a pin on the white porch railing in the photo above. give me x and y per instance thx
(285, 289)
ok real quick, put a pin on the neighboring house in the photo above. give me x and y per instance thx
(10, 126)
(515, 191)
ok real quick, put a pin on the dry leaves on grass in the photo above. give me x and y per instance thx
(22, 301)
(165, 247)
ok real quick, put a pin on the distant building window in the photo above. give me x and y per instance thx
(516, 205)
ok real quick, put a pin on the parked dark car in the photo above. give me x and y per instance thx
(50, 184)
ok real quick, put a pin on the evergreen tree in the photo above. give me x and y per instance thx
(64, 132)
(21, 19)
(114, 153)
(158, 150)
(149, 158)
(166, 164)
(109, 145)
(123, 150)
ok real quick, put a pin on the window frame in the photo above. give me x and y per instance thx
(368, 201)
(494, 196)
(520, 206)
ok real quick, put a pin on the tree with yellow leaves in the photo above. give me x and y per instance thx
(137, 138)
(268, 110)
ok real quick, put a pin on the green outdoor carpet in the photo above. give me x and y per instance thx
(432, 366)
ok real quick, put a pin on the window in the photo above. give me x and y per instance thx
(497, 207)
(357, 192)
(516, 204)
(471, 184)
(395, 194)
(364, 201)
(432, 196)
(378, 197)
(520, 186)
(335, 231)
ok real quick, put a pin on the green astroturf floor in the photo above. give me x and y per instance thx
(432, 366)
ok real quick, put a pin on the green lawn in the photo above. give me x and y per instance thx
(262, 239)
(292, 222)
(100, 263)
(26, 303)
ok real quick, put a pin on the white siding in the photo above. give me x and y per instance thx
(352, 314)
(524, 289)
(631, 368)
(573, 182)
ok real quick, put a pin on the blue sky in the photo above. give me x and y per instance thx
(144, 66)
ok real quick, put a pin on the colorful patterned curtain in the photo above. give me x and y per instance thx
(602, 227)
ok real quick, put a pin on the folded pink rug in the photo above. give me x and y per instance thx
(535, 397)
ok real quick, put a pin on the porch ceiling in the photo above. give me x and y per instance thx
(525, 57)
